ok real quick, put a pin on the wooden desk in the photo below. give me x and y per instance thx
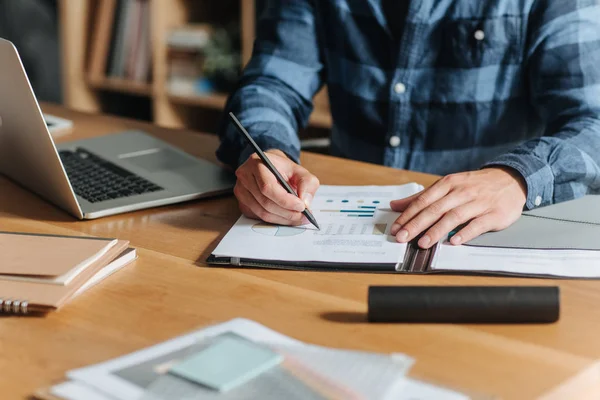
(170, 290)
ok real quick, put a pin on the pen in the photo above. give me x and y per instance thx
(271, 167)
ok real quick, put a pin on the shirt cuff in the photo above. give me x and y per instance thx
(537, 174)
(269, 145)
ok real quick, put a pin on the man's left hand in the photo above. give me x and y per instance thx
(487, 200)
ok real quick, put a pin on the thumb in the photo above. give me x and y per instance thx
(306, 185)
(401, 204)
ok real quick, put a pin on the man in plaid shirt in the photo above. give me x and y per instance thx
(500, 96)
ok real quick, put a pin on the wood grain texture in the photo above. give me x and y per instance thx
(170, 291)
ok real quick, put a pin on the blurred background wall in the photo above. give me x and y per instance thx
(169, 62)
(32, 25)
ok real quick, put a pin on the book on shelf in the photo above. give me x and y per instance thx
(121, 41)
(185, 58)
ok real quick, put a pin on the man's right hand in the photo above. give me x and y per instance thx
(260, 195)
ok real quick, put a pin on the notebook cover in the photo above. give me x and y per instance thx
(569, 225)
(585, 210)
(53, 296)
(299, 265)
(45, 255)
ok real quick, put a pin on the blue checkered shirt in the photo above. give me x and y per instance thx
(467, 84)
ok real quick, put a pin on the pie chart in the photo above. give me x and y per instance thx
(276, 230)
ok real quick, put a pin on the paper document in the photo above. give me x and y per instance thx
(308, 372)
(558, 263)
(355, 228)
(78, 391)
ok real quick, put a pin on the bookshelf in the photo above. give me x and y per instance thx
(88, 40)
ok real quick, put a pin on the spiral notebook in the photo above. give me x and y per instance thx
(33, 268)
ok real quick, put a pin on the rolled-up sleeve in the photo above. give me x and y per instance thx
(563, 66)
(274, 97)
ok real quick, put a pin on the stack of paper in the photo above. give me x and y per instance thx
(355, 233)
(39, 273)
(306, 372)
(517, 261)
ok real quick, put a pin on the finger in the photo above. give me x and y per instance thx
(453, 218)
(243, 200)
(271, 188)
(401, 204)
(431, 214)
(250, 204)
(306, 184)
(268, 204)
(422, 201)
(247, 211)
(478, 226)
(426, 198)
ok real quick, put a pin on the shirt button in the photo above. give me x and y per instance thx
(479, 35)
(395, 141)
(399, 88)
(538, 201)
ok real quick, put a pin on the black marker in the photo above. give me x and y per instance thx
(464, 304)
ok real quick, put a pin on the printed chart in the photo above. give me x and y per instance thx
(352, 229)
(344, 208)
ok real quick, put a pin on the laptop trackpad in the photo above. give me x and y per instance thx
(155, 160)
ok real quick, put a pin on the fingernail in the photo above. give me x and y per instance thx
(307, 198)
(424, 241)
(456, 239)
(402, 236)
(395, 228)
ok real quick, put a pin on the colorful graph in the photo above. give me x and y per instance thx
(357, 212)
(276, 230)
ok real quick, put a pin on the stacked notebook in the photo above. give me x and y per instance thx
(40, 273)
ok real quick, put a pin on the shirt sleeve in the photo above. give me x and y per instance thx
(563, 67)
(273, 99)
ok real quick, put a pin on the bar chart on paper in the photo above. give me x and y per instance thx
(355, 224)
(350, 213)
(350, 228)
(344, 208)
(356, 211)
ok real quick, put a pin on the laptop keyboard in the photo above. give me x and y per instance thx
(96, 179)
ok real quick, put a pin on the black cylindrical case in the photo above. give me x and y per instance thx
(464, 304)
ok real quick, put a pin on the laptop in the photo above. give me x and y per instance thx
(96, 177)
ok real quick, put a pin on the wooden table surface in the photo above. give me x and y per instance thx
(169, 290)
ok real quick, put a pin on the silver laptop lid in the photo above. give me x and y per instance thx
(27, 153)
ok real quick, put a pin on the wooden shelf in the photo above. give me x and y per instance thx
(210, 100)
(320, 119)
(122, 86)
(85, 48)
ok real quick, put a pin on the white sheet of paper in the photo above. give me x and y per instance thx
(101, 376)
(411, 389)
(559, 263)
(355, 226)
(388, 383)
(71, 390)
